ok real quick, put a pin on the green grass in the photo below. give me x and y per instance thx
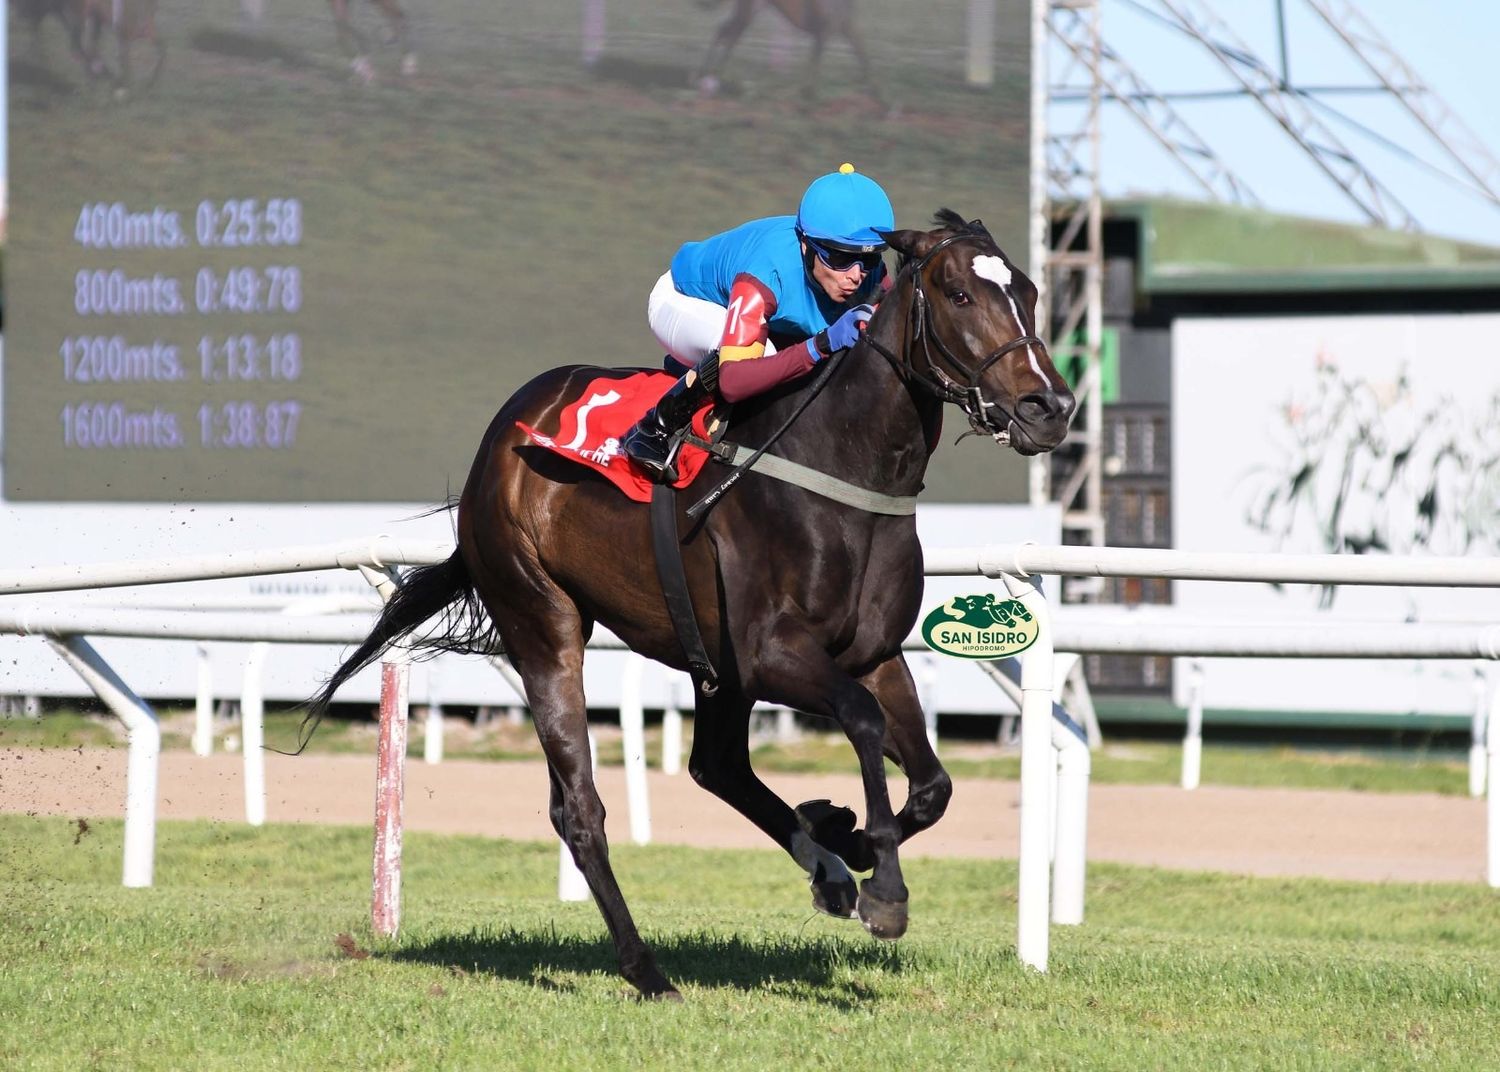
(1119, 762)
(231, 962)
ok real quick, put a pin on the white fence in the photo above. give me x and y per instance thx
(1054, 757)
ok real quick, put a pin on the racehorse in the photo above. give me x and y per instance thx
(85, 20)
(804, 601)
(819, 19)
(357, 45)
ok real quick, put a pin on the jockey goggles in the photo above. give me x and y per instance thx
(841, 260)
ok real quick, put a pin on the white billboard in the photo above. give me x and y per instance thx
(1342, 434)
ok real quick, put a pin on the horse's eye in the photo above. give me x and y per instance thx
(959, 297)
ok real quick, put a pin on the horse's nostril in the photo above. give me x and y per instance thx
(1043, 406)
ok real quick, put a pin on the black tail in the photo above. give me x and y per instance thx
(426, 591)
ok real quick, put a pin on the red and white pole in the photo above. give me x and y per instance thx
(390, 793)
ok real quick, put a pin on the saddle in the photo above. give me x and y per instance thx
(591, 427)
(589, 432)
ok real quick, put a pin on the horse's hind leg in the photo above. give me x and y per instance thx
(544, 635)
(720, 763)
(398, 34)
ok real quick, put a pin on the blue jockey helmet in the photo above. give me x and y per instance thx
(846, 210)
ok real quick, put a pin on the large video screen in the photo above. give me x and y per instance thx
(281, 259)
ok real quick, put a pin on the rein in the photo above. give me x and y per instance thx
(935, 381)
(705, 504)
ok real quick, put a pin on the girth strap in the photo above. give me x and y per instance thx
(669, 571)
(812, 480)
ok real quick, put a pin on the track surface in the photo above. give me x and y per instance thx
(1365, 836)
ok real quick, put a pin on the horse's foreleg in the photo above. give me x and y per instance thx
(794, 670)
(928, 785)
(725, 38)
(720, 763)
(146, 31)
(543, 634)
(398, 34)
(86, 34)
(862, 58)
(814, 62)
(352, 41)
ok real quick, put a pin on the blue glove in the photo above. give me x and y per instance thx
(843, 332)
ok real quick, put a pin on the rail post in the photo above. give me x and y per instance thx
(633, 736)
(1479, 732)
(142, 762)
(253, 733)
(203, 705)
(1038, 773)
(671, 727)
(1492, 804)
(390, 769)
(1192, 741)
(432, 725)
(390, 792)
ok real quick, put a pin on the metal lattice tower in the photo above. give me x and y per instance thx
(1120, 82)
(1073, 261)
(1291, 111)
(1457, 140)
(1067, 227)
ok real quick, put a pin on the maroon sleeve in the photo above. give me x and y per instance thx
(739, 380)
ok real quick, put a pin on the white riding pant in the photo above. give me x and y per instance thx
(688, 328)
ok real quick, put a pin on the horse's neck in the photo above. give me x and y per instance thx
(866, 426)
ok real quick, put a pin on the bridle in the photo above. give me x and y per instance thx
(934, 380)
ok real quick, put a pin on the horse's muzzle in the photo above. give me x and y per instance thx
(1041, 420)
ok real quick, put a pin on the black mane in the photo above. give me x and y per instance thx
(946, 219)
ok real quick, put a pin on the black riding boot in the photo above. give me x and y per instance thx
(652, 443)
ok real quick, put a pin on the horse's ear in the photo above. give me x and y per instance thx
(910, 244)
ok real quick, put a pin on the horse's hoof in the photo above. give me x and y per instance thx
(655, 987)
(832, 827)
(709, 86)
(886, 920)
(823, 819)
(835, 898)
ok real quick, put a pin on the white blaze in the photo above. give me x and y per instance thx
(998, 272)
(994, 269)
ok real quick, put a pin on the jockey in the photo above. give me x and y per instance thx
(802, 283)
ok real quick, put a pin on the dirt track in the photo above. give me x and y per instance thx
(1368, 836)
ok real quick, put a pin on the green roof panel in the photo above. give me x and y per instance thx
(1204, 247)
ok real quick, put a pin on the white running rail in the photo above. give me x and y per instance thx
(1013, 564)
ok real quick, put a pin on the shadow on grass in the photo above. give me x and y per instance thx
(704, 960)
(247, 46)
(40, 75)
(642, 73)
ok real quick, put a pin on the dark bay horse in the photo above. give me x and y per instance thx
(819, 19)
(356, 44)
(803, 601)
(130, 21)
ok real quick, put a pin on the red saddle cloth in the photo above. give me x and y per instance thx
(591, 428)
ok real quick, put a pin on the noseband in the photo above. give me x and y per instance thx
(970, 398)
